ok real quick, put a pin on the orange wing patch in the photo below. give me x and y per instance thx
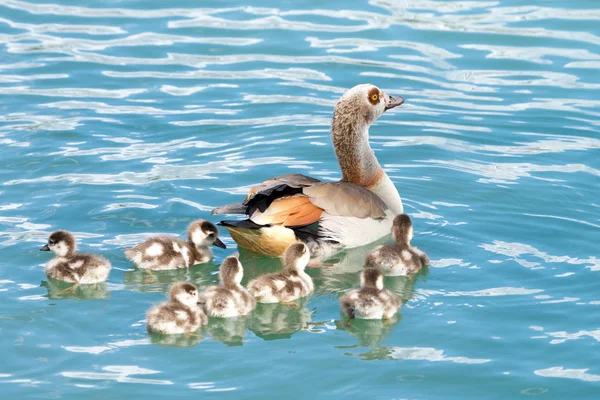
(288, 211)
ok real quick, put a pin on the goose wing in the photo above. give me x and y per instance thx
(295, 200)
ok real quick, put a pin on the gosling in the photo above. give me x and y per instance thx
(166, 253)
(70, 266)
(290, 284)
(399, 258)
(180, 315)
(371, 301)
(230, 299)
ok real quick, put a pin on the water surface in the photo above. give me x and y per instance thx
(127, 118)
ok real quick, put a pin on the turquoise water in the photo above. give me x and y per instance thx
(120, 119)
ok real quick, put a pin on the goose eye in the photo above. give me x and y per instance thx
(374, 97)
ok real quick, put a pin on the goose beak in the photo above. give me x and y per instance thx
(45, 248)
(393, 101)
(219, 243)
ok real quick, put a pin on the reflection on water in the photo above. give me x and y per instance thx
(175, 340)
(279, 321)
(65, 290)
(158, 281)
(125, 118)
(368, 332)
(230, 331)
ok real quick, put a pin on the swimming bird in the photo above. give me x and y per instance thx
(166, 252)
(371, 301)
(181, 314)
(70, 266)
(290, 284)
(399, 258)
(230, 299)
(327, 216)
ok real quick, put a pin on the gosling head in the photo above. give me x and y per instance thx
(203, 234)
(402, 229)
(371, 278)
(364, 103)
(296, 256)
(231, 271)
(185, 293)
(62, 243)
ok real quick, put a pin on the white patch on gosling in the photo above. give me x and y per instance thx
(60, 249)
(406, 256)
(198, 237)
(183, 251)
(155, 250)
(76, 264)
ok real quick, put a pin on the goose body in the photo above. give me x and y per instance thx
(288, 285)
(166, 252)
(230, 299)
(398, 258)
(371, 301)
(353, 212)
(73, 267)
(181, 314)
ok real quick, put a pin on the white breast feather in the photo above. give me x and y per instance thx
(355, 232)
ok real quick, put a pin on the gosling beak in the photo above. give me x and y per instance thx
(45, 248)
(219, 243)
(393, 101)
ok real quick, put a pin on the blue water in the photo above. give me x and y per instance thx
(120, 119)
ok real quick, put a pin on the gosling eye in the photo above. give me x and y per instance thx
(211, 235)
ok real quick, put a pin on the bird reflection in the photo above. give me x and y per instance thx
(65, 290)
(279, 321)
(175, 340)
(151, 281)
(230, 331)
(368, 332)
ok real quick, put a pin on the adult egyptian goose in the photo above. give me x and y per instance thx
(353, 212)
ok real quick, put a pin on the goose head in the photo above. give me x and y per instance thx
(364, 103)
(371, 278)
(61, 243)
(296, 257)
(203, 234)
(231, 271)
(402, 229)
(185, 293)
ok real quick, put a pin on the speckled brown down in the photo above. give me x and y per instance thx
(230, 299)
(166, 252)
(398, 258)
(181, 314)
(290, 284)
(371, 301)
(71, 267)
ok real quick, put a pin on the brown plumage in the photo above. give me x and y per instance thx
(371, 301)
(166, 252)
(230, 299)
(398, 258)
(181, 314)
(290, 284)
(298, 207)
(69, 266)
